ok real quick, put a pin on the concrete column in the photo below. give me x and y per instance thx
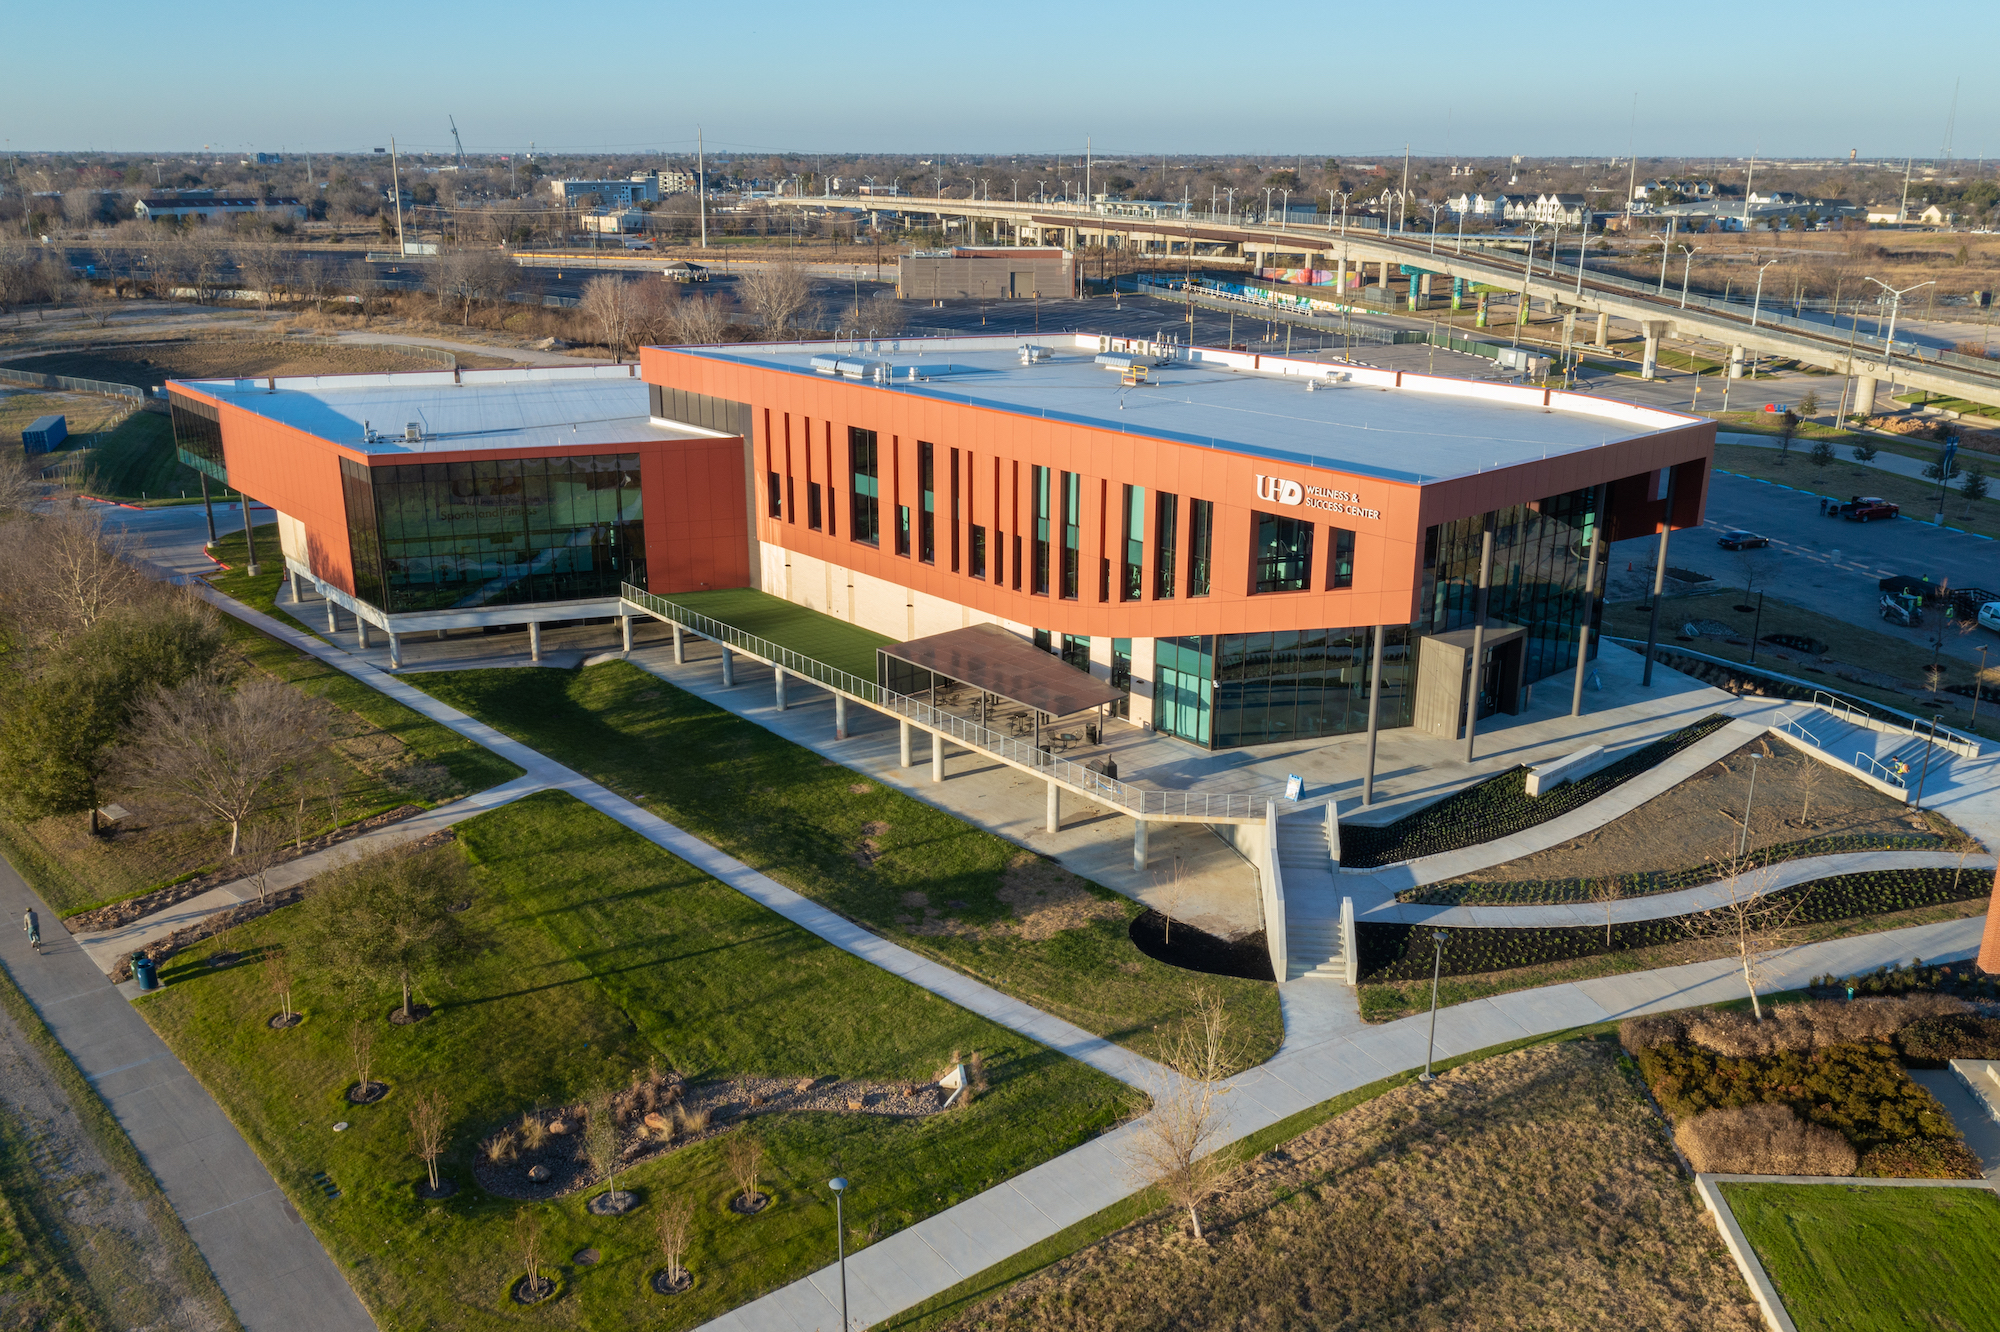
(937, 756)
(1589, 600)
(1736, 363)
(1139, 845)
(249, 540)
(680, 650)
(1374, 715)
(840, 716)
(728, 669)
(778, 685)
(903, 741)
(534, 640)
(625, 631)
(1385, 277)
(1864, 396)
(1603, 329)
(1659, 581)
(1479, 320)
(361, 632)
(1478, 634)
(292, 584)
(395, 652)
(332, 615)
(1055, 808)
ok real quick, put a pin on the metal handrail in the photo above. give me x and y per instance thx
(1841, 708)
(1866, 762)
(1192, 806)
(1790, 723)
(1944, 737)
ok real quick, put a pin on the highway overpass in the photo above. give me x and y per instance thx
(1554, 285)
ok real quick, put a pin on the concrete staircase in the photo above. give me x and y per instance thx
(1312, 900)
(1877, 753)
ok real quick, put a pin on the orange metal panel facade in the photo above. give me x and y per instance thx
(801, 434)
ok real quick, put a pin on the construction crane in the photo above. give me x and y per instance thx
(460, 143)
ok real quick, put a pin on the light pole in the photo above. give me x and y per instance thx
(1665, 246)
(1331, 195)
(1437, 965)
(1435, 209)
(1757, 301)
(1582, 249)
(1978, 683)
(1687, 263)
(1895, 308)
(1743, 842)
(839, 1186)
(1925, 771)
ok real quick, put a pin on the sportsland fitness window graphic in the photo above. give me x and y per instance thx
(1278, 490)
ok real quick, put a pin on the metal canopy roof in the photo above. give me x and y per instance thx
(987, 657)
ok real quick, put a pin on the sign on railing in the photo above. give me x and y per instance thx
(1177, 805)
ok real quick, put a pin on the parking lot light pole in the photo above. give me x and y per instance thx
(1978, 684)
(1758, 300)
(1757, 625)
(839, 1186)
(1743, 842)
(1437, 966)
(1895, 308)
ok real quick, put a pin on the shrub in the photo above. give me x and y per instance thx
(1933, 1042)
(1818, 1025)
(1643, 1033)
(1921, 1158)
(1762, 1140)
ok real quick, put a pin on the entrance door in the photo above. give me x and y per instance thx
(1489, 683)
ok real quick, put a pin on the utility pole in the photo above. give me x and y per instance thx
(1903, 209)
(701, 185)
(396, 191)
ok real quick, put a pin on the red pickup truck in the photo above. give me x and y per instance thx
(1863, 507)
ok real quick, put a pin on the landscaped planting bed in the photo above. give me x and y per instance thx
(1402, 952)
(1962, 979)
(1548, 892)
(1501, 806)
(1815, 1089)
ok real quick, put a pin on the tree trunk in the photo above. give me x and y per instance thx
(1195, 1217)
(1750, 984)
(409, 1012)
(235, 835)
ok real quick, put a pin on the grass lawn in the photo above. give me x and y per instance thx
(136, 463)
(85, 413)
(1854, 1258)
(608, 953)
(1962, 405)
(839, 644)
(905, 869)
(1844, 477)
(1890, 669)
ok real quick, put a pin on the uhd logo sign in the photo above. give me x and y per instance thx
(1277, 490)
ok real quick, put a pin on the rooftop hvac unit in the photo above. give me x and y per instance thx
(413, 433)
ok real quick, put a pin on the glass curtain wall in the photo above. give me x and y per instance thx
(1539, 555)
(1282, 561)
(446, 536)
(1251, 689)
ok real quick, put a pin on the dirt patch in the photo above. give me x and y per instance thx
(859, 788)
(869, 849)
(1047, 899)
(1532, 1190)
(1797, 798)
(109, 1236)
(151, 364)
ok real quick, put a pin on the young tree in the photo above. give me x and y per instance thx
(1788, 428)
(528, 1243)
(777, 293)
(600, 1143)
(386, 919)
(262, 848)
(278, 976)
(1864, 453)
(1172, 888)
(220, 752)
(361, 1045)
(1604, 891)
(1821, 453)
(676, 1220)
(1174, 1148)
(1755, 923)
(1974, 487)
(744, 1156)
(427, 1121)
(1809, 405)
(607, 304)
(1811, 773)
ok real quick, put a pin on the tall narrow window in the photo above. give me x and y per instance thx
(1340, 565)
(1038, 484)
(954, 511)
(1201, 539)
(812, 505)
(865, 488)
(1166, 539)
(1282, 559)
(791, 499)
(774, 497)
(1135, 544)
(1121, 675)
(1072, 532)
(926, 502)
(979, 551)
(902, 529)
(1017, 561)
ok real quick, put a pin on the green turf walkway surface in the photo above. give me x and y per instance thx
(807, 632)
(1862, 1258)
(607, 954)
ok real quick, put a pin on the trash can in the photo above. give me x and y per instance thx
(144, 972)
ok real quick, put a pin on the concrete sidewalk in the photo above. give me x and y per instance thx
(268, 1262)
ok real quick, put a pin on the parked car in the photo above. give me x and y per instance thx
(1989, 616)
(1741, 541)
(1862, 508)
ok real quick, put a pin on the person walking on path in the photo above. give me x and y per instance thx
(33, 929)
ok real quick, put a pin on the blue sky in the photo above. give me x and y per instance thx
(1784, 79)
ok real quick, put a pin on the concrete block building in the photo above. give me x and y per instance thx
(996, 274)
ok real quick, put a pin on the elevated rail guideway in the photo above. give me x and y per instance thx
(1360, 246)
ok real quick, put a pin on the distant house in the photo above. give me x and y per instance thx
(1774, 197)
(606, 221)
(208, 207)
(1567, 210)
(1937, 216)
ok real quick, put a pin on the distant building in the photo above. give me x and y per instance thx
(206, 207)
(607, 193)
(880, 191)
(1937, 216)
(1568, 210)
(667, 180)
(996, 273)
(608, 222)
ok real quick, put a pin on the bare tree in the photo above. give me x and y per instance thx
(607, 304)
(262, 848)
(600, 1144)
(1756, 923)
(361, 1045)
(427, 1120)
(744, 1157)
(1172, 886)
(528, 1242)
(461, 277)
(777, 293)
(311, 279)
(700, 320)
(1811, 773)
(278, 976)
(1175, 1146)
(654, 308)
(1605, 891)
(84, 577)
(676, 1220)
(219, 752)
(262, 269)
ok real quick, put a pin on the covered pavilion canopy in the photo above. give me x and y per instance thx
(989, 658)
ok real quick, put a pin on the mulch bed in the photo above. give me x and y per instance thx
(445, 1189)
(666, 1285)
(373, 1092)
(728, 1104)
(209, 926)
(134, 908)
(1184, 946)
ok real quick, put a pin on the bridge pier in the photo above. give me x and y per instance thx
(778, 685)
(1864, 396)
(1480, 320)
(1654, 329)
(680, 647)
(1603, 330)
(937, 756)
(1736, 363)
(1139, 844)
(903, 741)
(728, 669)
(840, 716)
